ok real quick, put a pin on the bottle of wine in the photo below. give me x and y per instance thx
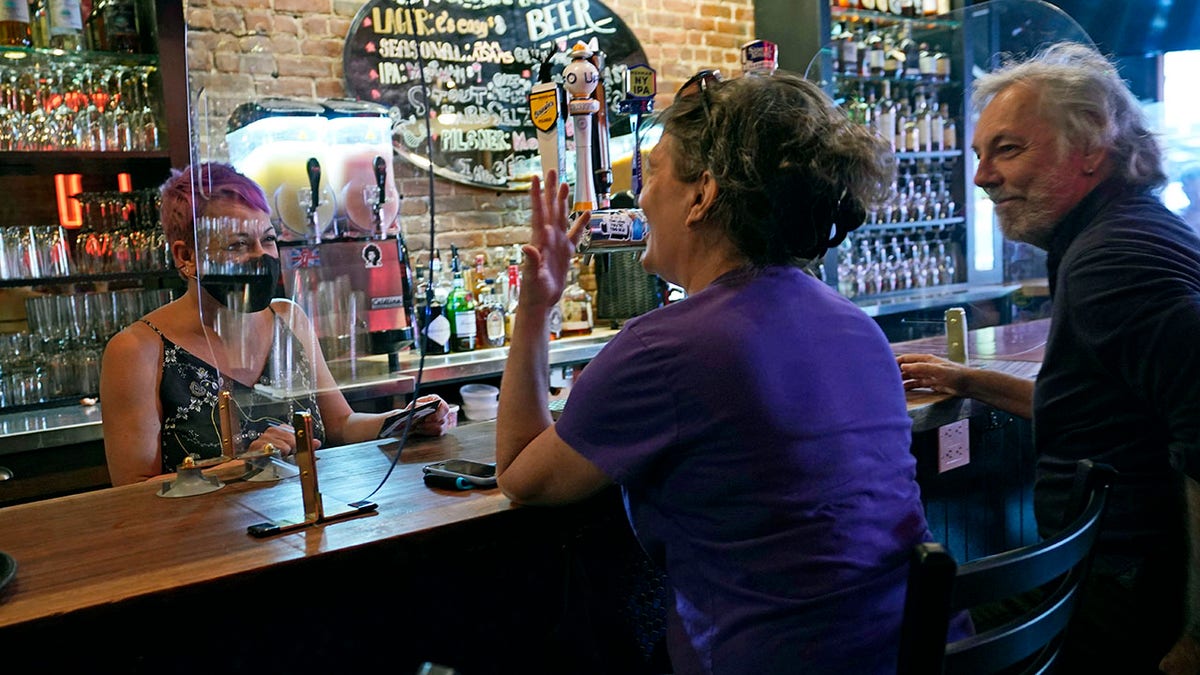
(460, 305)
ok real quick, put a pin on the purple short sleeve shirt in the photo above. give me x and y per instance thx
(759, 432)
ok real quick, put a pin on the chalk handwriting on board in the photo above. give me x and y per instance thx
(477, 59)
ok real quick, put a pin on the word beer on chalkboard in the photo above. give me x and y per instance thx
(468, 65)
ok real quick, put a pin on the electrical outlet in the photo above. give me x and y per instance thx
(954, 445)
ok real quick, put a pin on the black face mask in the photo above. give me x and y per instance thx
(256, 284)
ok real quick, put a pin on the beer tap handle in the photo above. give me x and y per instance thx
(600, 133)
(640, 88)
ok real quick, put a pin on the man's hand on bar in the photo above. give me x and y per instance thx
(1006, 392)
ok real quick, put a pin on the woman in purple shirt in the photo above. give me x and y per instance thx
(757, 428)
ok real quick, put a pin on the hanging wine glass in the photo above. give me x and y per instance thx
(116, 113)
(32, 98)
(62, 104)
(89, 119)
(148, 136)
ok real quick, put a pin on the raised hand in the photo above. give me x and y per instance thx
(552, 241)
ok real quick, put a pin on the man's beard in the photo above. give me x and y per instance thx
(1031, 219)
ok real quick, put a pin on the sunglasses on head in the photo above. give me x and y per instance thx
(699, 83)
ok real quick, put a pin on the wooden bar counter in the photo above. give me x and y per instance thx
(124, 580)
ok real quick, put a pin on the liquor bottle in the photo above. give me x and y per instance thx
(937, 125)
(481, 281)
(929, 7)
(902, 120)
(57, 24)
(431, 318)
(924, 123)
(885, 116)
(489, 319)
(66, 25)
(113, 26)
(514, 291)
(926, 66)
(912, 53)
(460, 305)
(908, 7)
(857, 109)
(912, 131)
(870, 5)
(875, 56)
(555, 320)
(440, 281)
(893, 59)
(860, 50)
(949, 129)
(849, 52)
(576, 307)
(14, 23)
(941, 66)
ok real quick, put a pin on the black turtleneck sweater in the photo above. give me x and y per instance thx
(1120, 382)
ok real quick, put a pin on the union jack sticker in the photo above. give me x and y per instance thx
(303, 256)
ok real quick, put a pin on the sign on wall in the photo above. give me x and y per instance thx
(458, 72)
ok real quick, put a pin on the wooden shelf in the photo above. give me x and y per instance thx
(65, 161)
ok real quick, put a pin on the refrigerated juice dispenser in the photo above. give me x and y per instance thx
(327, 171)
(357, 133)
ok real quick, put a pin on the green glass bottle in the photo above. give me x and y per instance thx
(460, 305)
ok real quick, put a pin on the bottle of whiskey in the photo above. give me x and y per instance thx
(460, 305)
(14, 23)
(489, 318)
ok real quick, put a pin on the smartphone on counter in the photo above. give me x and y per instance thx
(460, 474)
(394, 425)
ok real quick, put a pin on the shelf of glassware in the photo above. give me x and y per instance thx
(60, 108)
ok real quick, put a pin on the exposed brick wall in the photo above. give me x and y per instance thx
(255, 48)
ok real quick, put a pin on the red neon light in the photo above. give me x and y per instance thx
(66, 185)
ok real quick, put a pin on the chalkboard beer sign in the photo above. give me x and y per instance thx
(479, 59)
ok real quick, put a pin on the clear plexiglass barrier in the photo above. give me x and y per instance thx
(302, 274)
